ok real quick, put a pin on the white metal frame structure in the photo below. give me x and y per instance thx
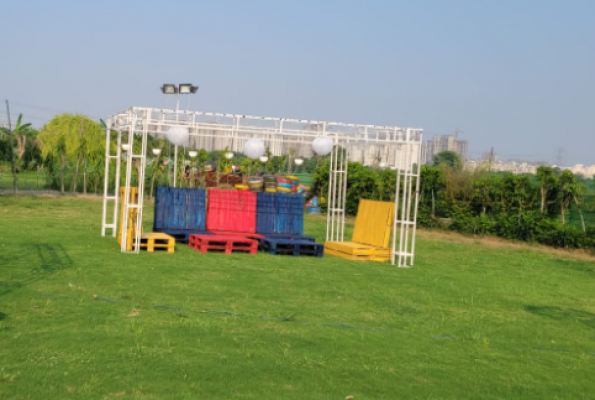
(215, 131)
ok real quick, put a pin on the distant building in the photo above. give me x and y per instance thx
(444, 143)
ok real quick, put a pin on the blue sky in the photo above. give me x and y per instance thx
(516, 75)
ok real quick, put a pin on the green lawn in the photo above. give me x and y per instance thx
(468, 322)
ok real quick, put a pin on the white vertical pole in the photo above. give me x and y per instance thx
(403, 208)
(417, 186)
(141, 188)
(175, 165)
(117, 180)
(398, 160)
(106, 178)
(126, 200)
(409, 198)
(344, 206)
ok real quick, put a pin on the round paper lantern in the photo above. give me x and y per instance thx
(192, 153)
(263, 159)
(254, 148)
(125, 147)
(322, 145)
(229, 155)
(178, 135)
(156, 151)
(299, 161)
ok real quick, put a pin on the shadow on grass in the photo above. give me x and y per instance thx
(29, 263)
(561, 314)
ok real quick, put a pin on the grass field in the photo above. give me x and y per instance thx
(472, 320)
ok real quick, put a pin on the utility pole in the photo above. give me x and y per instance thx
(14, 164)
(559, 157)
(491, 160)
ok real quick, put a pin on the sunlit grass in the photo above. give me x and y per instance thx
(80, 320)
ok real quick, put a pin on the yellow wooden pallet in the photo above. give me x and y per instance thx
(132, 213)
(157, 240)
(370, 235)
(373, 223)
(357, 257)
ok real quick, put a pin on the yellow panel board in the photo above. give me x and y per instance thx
(373, 223)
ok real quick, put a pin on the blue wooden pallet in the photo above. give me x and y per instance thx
(279, 213)
(182, 236)
(289, 237)
(180, 209)
(292, 247)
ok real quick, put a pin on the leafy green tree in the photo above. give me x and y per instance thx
(567, 191)
(75, 138)
(432, 180)
(547, 184)
(449, 158)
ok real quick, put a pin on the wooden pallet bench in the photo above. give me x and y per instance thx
(183, 236)
(227, 244)
(292, 247)
(289, 236)
(357, 251)
(157, 241)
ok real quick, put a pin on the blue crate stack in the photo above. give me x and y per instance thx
(279, 213)
(180, 210)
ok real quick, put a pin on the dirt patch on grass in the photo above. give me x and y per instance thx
(498, 243)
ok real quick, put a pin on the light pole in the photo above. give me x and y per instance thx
(182, 88)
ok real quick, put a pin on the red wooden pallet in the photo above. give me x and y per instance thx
(228, 244)
(255, 236)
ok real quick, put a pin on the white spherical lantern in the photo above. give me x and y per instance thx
(299, 161)
(229, 155)
(156, 152)
(192, 153)
(263, 159)
(178, 135)
(382, 165)
(125, 147)
(322, 145)
(254, 148)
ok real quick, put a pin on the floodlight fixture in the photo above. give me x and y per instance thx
(187, 88)
(169, 88)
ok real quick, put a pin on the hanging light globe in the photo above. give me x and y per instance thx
(125, 147)
(254, 148)
(229, 155)
(156, 152)
(322, 145)
(178, 135)
(382, 165)
(298, 161)
(263, 159)
(192, 153)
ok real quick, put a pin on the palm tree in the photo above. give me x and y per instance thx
(20, 133)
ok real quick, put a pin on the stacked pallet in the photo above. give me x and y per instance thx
(231, 210)
(279, 213)
(180, 212)
(370, 235)
(132, 217)
(280, 218)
